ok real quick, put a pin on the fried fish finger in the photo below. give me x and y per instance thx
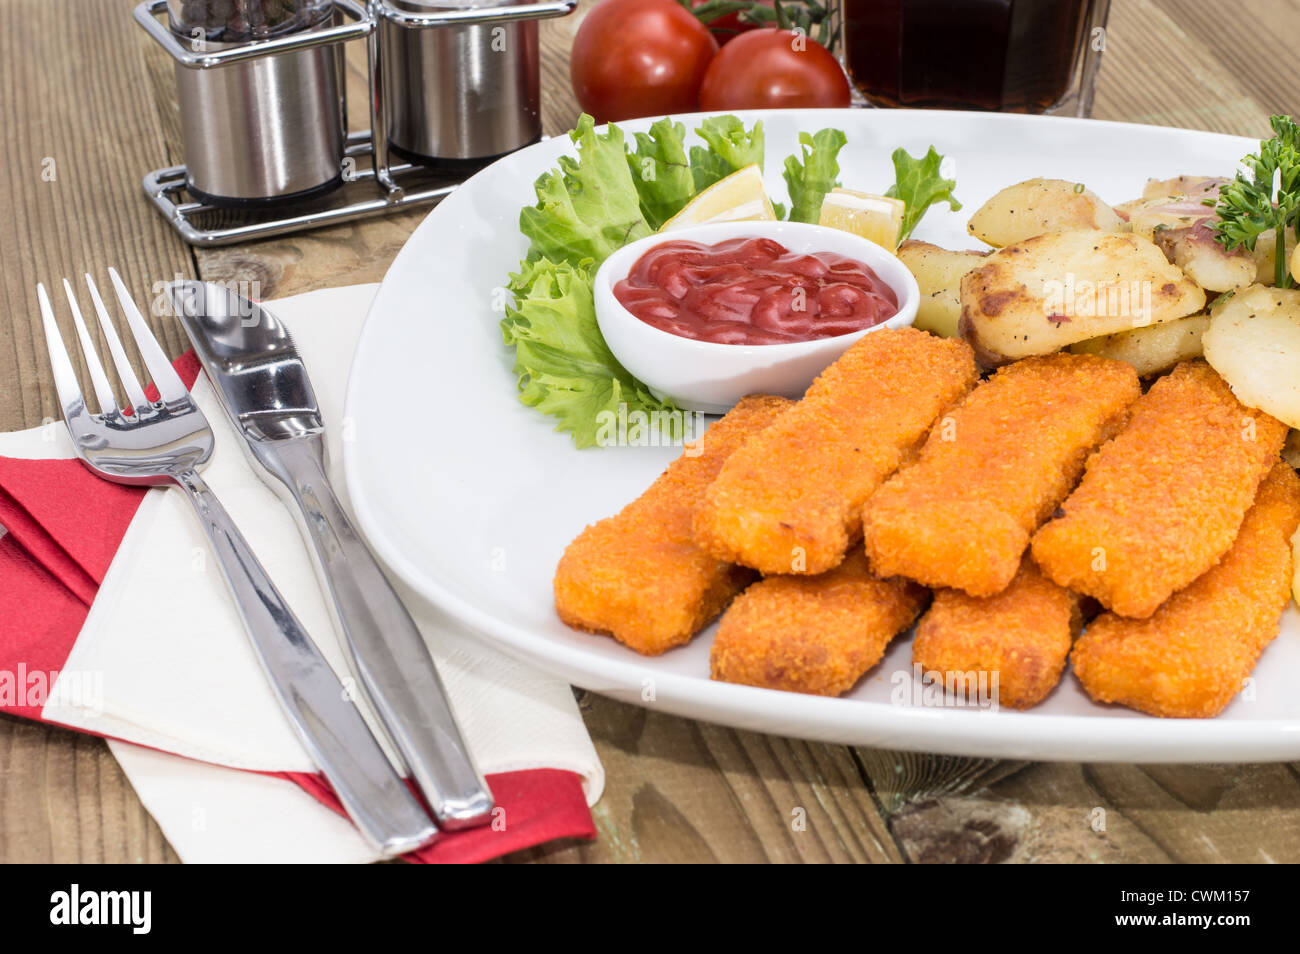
(813, 634)
(1023, 635)
(639, 575)
(1161, 502)
(993, 469)
(790, 501)
(1192, 656)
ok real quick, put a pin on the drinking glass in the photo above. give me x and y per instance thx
(1021, 56)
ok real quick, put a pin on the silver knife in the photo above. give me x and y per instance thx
(264, 388)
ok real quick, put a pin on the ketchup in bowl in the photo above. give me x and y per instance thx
(753, 291)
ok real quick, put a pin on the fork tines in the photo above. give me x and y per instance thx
(165, 379)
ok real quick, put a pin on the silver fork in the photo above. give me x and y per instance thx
(158, 443)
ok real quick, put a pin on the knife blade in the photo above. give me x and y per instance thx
(264, 388)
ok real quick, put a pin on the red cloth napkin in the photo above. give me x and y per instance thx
(64, 526)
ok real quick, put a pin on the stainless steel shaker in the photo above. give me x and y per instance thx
(452, 84)
(464, 83)
(263, 129)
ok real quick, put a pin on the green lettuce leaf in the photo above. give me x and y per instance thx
(589, 207)
(809, 181)
(562, 365)
(661, 171)
(729, 148)
(919, 185)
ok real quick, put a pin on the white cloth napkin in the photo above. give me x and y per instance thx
(178, 674)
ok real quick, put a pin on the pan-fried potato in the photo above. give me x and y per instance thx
(1152, 349)
(1048, 292)
(1125, 210)
(1151, 216)
(1180, 225)
(1295, 262)
(1181, 185)
(1037, 207)
(1254, 342)
(938, 273)
(1198, 253)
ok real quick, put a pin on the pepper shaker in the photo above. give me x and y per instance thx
(266, 129)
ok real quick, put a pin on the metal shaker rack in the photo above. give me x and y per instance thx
(375, 183)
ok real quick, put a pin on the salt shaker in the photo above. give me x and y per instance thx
(266, 129)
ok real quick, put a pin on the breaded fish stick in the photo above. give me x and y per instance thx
(639, 575)
(993, 469)
(1023, 634)
(816, 634)
(1192, 656)
(1162, 502)
(791, 500)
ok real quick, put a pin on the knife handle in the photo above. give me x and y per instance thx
(387, 651)
(328, 724)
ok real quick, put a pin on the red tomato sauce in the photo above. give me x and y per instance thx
(753, 291)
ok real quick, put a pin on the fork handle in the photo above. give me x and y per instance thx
(387, 650)
(326, 721)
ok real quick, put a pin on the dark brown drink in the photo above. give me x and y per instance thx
(1009, 55)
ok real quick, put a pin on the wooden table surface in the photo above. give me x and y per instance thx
(84, 93)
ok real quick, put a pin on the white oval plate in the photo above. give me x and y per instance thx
(471, 497)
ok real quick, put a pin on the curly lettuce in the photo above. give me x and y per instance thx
(562, 365)
(587, 208)
(729, 147)
(813, 173)
(920, 185)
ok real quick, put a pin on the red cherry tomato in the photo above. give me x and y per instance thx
(769, 68)
(639, 58)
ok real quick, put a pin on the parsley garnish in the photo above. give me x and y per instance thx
(1264, 197)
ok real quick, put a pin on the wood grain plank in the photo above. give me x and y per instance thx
(1250, 41)
(560, 110)
(63, 798)
(943, 810)
(685, 791)
(81, 131)
(1158, 69)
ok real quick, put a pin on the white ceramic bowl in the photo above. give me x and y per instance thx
(710, 377)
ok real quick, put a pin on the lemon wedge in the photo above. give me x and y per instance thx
(874, 217)
(738, 197)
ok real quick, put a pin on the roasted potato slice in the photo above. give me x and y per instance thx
(1151, 216)
(1125, 210)
(1254, 342)
(1198, 253)
(1047, 292)
(1180, 224)
(938, 273)
(1182, 185)
(1037, 207)
(1152, 349)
